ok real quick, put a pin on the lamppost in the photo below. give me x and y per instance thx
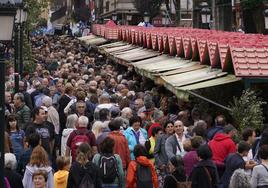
(7, 16)
(266, 18)
(205, 17)
(114, 17)
(146, 18)
(129, 17)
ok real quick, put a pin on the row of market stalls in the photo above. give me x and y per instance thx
(184, 60)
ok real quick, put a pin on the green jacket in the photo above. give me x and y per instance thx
(24, 116)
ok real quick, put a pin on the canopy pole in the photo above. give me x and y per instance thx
(208, 100)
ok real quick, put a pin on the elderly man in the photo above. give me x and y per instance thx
(22, 111)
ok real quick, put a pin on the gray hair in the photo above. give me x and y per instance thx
(71, 121)
(240, 179)
(125, 111)
(82, 121)
(19, 96)
(10, 161)
(47, 101)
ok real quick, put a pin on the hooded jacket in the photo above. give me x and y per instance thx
(132, 168)
(221, 146)
(27, 179)
(60, 179)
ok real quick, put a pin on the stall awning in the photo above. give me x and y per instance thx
(93, 40)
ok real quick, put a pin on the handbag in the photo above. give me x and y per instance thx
(185, 184)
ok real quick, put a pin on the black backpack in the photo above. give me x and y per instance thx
(144, 176)
(87, 181)
(108, 168)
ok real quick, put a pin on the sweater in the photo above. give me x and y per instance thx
(259, 176)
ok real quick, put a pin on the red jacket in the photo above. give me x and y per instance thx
(121, 147)
(131, 172)
(221, 146)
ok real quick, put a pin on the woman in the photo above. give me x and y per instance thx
(135, 134)
(16, 136)
(205, 172)
(83, 169)
(177, 173)
(135, 166)
(40, 179)
(38, 161)
(259, 176)
(106, 152)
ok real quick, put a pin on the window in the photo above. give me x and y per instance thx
(107, 6)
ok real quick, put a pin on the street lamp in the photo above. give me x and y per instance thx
(114, 17)
(146, 18)
(266, 18)
(205, 16)
(7, 16)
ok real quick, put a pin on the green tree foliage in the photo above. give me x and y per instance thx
(247, 110)
(150, 6)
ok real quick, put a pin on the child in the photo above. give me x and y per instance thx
(61, 176)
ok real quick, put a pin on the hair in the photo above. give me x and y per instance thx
(204, 152)
(71, 121)
(243, 146)
(47, 101)
(10, 161)
(39, 157)
(155, 130)
(247, 132)
(166, 124)
(97, 128)
(140, 150)
(40, 173)
(199, 130)
(19, 96)
(263, 152)
(104, 114)
(220, 120)
(177, 162)
(196, 142)
(62, 161)
(36, 111)
(33, 139)
(228, 128)
(83, 121)
(134, 119)
(125, 111)
(84, 153)
(12, 117)
(115, 124)
(240, 179)
(68, 89)
(107, 145)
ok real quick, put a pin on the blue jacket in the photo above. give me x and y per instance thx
(132, 140)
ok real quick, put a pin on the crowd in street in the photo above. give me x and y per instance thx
(82, 121)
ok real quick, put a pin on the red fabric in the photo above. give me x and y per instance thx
(151, 128)
(131, 172)
(121, 147)
(110, 23)
(221, 146)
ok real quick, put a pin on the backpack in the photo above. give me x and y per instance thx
(78, 139)
(144, 176)
(108, 168)
(87, 181)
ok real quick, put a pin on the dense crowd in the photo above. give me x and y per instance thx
(82, 121)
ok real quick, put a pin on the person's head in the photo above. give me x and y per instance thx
(104, 114)
(80, 107)
(139, 150)
(249, 135)
(107, 146)
(104, 99)
(39, 115)
(33, 139)
(263, 152)
(243, 148)
(204, 152)
(196, 141)
(69, 89)
(126, 113)
(220, 121)
(97, 127)
(18, 100)
(45, 82)
(178, 127)
(12, 123)
(138, 104)
(115, 124)
(40, 179)
(47, 101)
(113, 83)
(199, 130)
(84, 153)
(8, 98)
(201, 123)
(63, 163)
(175, 163)
(71, 121)
(82, 121)
(135, 122)
(156, 132)
(230, 130)
(168, 127)
(39, 157)
(10, 161)
(93, 85)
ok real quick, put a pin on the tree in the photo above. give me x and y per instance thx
(150, 6)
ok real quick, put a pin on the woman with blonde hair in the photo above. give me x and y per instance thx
(97, 128)
(38, 161)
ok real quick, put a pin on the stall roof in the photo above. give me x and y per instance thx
(93, 40)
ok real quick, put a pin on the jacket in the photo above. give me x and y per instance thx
(160, 154)
(78, 171)
(190, 159)
(27, 179)
(96, 161)
(23, 115)
(132, 168)
(221, 146)
(132, 140)
(199, 176)
(171, 145)
(121, 147)
(60, 179)
(65, 135)
(170, 180)
(14, 178)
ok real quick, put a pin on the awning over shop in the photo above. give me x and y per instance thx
(93, 40)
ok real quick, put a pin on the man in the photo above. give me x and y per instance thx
(22, 111)
(82, 134)
(220, 122)
(27, 96)
(249, 135)
(39, 126)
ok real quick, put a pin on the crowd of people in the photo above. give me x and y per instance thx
(82, 121)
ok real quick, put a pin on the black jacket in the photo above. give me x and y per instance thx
(78, 171)
(15, 179)
(170, 182)
(199, 176)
